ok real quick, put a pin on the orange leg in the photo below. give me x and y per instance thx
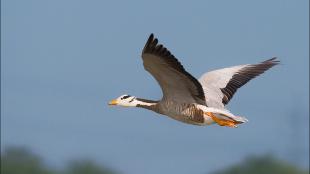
(223, 122)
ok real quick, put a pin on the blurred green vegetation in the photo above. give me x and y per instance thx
(16, 160)
(87, 167)
(20, 160)
(266, 164)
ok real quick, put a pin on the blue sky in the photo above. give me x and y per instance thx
(63, 60)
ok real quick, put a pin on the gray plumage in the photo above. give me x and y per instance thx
(187, 99)
(176, 83)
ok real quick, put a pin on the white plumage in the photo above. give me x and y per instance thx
(213, 81)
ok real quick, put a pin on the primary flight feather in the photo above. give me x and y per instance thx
(186, 99)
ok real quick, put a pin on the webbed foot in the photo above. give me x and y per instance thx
(223, 122)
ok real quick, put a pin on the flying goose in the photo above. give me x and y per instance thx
(186, 99)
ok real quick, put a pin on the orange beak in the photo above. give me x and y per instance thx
(113, 102)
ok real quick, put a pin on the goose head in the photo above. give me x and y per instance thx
(124, 100)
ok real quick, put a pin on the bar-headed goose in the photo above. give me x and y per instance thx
(186, 99)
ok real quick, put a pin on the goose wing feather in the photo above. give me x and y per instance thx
(176, 83)
(220, 85)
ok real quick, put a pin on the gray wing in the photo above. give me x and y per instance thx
(220, 85)
(176, 83)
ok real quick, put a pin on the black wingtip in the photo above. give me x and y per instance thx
(148, 42)
(273, 61)
(151, 37)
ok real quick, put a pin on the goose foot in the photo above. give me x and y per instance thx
(223, 122)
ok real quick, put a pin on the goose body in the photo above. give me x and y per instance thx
(186, 99)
